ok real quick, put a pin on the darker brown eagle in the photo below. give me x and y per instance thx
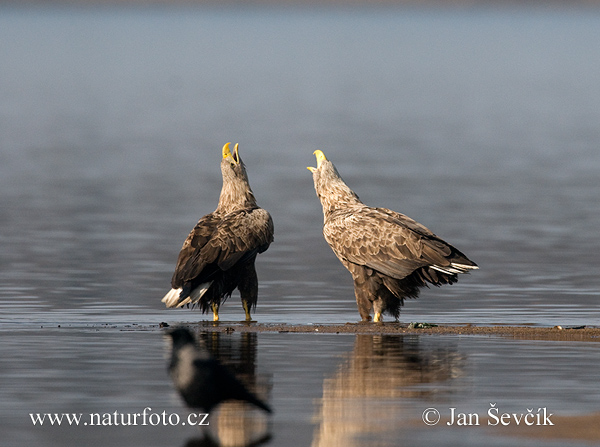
(389, 255)
(218, 255)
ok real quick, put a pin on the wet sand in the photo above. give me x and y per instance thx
(557, 333)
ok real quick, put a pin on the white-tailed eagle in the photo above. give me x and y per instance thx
(389, 255)
(218, 255)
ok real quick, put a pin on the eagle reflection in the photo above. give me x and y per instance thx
(366, 393)
(234, 423)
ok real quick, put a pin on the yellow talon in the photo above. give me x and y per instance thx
(247, 310)
(377, 318)
(215, 309)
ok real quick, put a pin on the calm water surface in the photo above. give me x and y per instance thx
(326, 390)
(481, 124)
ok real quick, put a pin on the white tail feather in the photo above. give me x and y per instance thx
(171, 299)
(196, 294)
(465, 267)
(446, 270)
(454, 269)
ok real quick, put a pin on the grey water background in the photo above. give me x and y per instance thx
(480, 123)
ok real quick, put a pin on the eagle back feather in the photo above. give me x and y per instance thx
(223, 242)
(235, 232)
(378, 238)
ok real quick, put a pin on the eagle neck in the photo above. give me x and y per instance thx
(236, 194)
(338, 197)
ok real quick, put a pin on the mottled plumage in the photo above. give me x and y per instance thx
(389, 255)
(200, 379)
(218, 255)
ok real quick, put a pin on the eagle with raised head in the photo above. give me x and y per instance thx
(218, 255)
(389, 255)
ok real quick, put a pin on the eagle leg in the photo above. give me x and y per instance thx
(378, 308)
(246, 307)
(248, 287)
(215, 309)
(362, 301)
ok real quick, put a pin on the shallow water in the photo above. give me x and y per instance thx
(480, 123)
(325, 389)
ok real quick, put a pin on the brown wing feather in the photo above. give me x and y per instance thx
(384, 240)
(239, 235)
(189, 261)
(222, 242)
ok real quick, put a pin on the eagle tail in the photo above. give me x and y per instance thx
(173, 296)
(454, 268)
(465, 267)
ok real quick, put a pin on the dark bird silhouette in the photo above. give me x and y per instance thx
(218, 255)
(200, 379)
(389, 255)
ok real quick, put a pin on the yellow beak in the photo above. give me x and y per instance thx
(227, 153)
(320, 159)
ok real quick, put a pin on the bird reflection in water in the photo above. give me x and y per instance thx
(233, 422)
(237, 423)
(369, 393)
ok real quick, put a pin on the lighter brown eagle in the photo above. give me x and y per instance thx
(389, 255)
